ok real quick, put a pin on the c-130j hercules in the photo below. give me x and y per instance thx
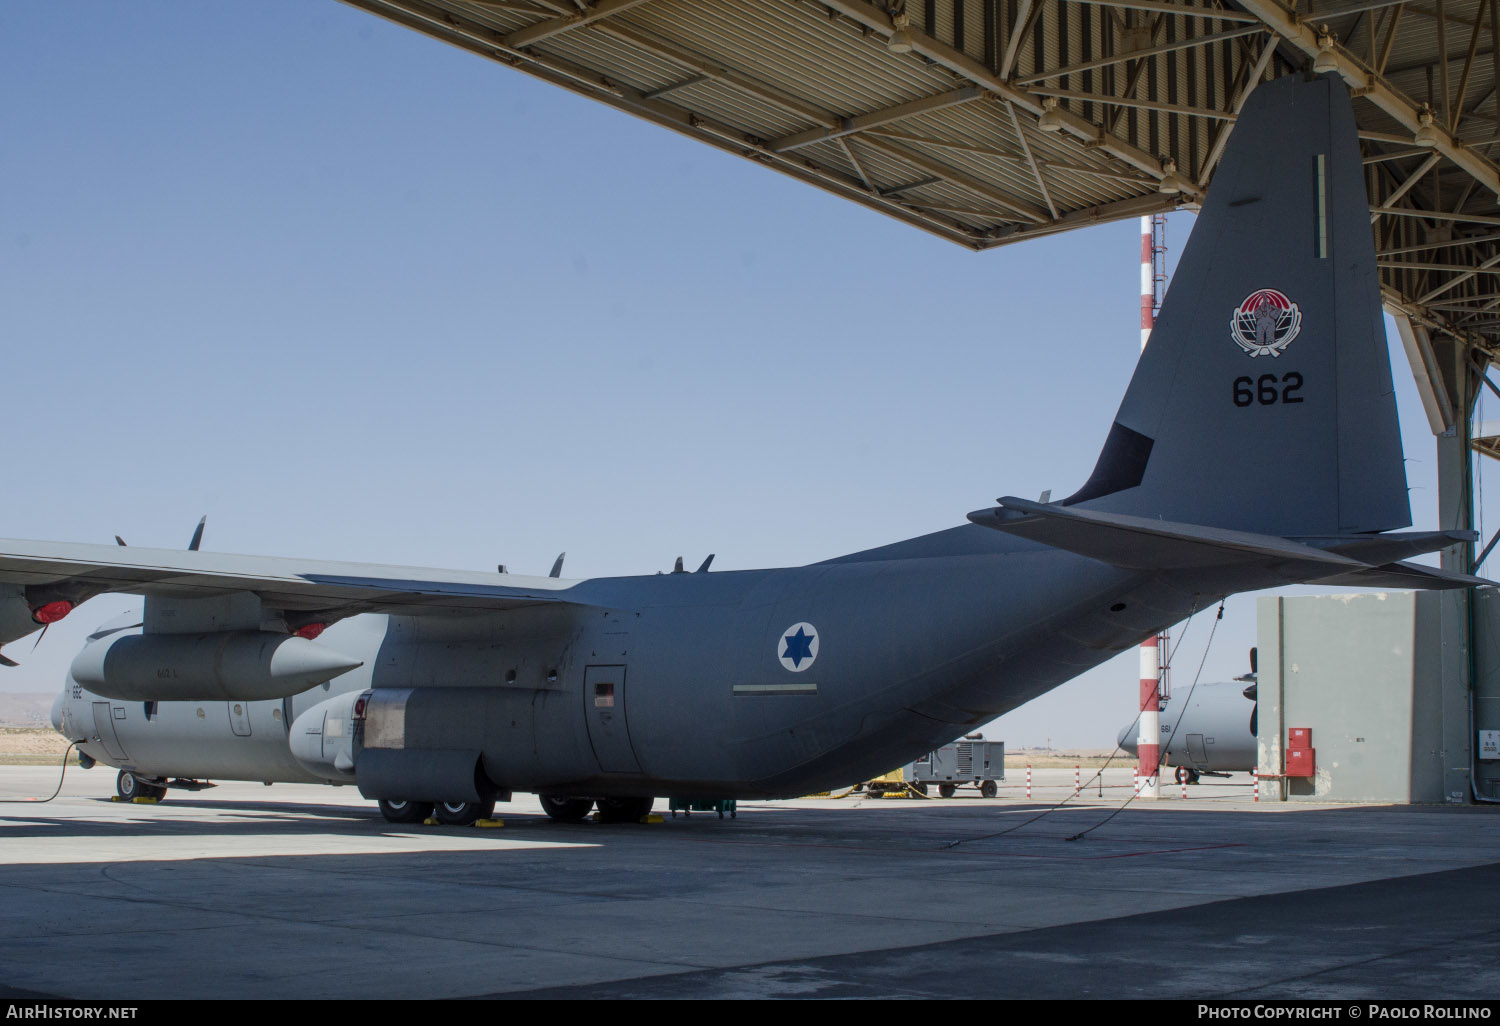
(1239, 459)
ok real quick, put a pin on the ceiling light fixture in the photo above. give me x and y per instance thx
(1326, 60)
(1171, 183)
(900, 41)
(1426, 136)
(1050, 120)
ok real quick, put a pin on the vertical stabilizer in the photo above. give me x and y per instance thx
(1264, 400)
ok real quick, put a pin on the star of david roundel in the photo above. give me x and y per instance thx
(797, 646)
(1265, 323)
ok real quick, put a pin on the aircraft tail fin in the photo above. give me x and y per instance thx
(1263, 402)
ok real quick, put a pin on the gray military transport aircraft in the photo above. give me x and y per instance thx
(1210, 729)
(1256, 446)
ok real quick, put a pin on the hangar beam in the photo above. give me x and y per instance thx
(987, 122)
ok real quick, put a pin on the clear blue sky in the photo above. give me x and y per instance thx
(358, 295)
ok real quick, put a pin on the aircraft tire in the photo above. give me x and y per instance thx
(566, 810)
(130, 787)
(989, 789)
(399, 810)
(463, 813)
(624, 810)
(947, 790)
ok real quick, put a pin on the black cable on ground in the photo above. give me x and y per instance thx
(60, 778)
(1099, 774)
(1126, 804)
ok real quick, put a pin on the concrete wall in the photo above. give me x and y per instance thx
(1366, 673)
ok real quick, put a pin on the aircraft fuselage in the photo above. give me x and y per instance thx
(741, 684)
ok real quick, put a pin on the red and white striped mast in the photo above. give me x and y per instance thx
(1153, 667)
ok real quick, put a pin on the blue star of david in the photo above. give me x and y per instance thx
(798, 646)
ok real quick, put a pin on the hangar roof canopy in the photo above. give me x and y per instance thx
(988, 122)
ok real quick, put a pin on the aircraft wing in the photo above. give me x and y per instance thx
(36, 574)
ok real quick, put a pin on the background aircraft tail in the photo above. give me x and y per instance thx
(1263, 401)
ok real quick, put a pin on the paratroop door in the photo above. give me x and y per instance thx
(604, 708)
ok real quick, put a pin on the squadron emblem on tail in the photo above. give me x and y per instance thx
(1265, 323)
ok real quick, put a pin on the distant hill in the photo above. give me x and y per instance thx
(26, 708)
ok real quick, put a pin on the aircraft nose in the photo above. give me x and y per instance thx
(1127, 738)
(57, 710)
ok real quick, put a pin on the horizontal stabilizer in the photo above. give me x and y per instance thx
(1379, 549)
(1406, 575)
(1143, 543)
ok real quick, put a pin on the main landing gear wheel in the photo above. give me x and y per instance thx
(399, 810)
(947, 790)
(624, 810)
(130, 787)
(566, 810)
(989, 789)
(1187, 775)
(463, 813)
(126, 786)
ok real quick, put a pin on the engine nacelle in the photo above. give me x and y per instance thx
(424, 744)
(222, 665)
(322, 738)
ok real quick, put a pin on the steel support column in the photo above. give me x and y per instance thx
(1455, 511)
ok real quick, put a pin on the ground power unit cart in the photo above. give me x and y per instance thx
(968, 762)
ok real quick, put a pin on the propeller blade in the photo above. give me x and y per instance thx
(677, 566)
(197, 535)
(703, 567)
(557, 566)
(119, 541)
(6, 660)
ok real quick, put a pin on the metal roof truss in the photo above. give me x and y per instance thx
(992, 121)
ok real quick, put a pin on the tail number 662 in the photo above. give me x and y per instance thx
(1268, 389)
